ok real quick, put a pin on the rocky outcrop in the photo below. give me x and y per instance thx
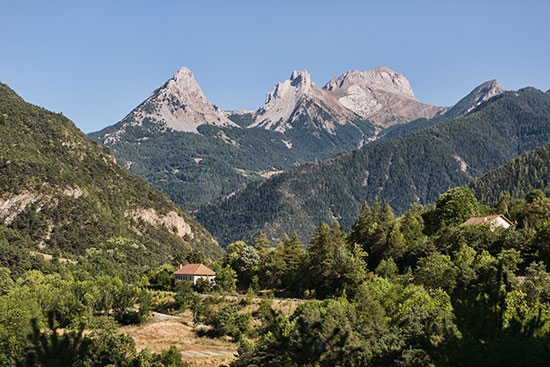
(11, 207)
(380, 95)
(171, 221)
(74, 192)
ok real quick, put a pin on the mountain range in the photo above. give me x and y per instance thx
(193, 151)
(59, 190)
(414, 168)
(274, 170)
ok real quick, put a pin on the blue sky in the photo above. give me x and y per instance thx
(95, 61)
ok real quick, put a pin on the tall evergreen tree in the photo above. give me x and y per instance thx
(372, 231)
(293, 256)
(327, 257)
(261, 245)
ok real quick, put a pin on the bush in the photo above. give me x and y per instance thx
(228, 321)
(202, 286)
(172, 358)
(184, 295)
(129, 317)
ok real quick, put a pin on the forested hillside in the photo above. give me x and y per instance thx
(476, 97)
(194, 168)
(60, 191)
(418, 290)
(530, 171)
(415, 168)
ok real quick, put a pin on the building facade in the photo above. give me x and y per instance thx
(194, 272)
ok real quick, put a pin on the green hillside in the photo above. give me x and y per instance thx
(195, 168)
(530, 171)
(461, 108)
(59, 190)
(414, 168)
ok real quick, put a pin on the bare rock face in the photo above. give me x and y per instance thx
(171, 221)
(485, 92)
(180, 104)
(296, 98)
(11, 207)
(380, 95)
(480, 94)
(380, 78)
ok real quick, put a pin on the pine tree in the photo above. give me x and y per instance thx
(361, 230)
(293, 252)
(327, 258)
(261, 245)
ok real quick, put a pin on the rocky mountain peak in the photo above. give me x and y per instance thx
(480, 94)
(288, 101)
(180, 104)
(183, 80)
(298, 84)
(380, 78)
(380, 95)
(491, 88)
(384, 69)
(183, 87)
(183, 71)
(300, 79)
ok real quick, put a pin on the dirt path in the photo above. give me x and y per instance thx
(157, 316)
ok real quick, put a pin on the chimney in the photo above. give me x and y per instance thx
(181, 266)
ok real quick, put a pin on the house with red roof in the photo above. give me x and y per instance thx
(494, 221)
(194, 272)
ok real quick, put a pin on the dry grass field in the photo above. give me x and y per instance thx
(164, 331)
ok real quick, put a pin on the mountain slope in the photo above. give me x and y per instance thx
(414, 168)
(478, 95)
(61, 190)
(529, 171)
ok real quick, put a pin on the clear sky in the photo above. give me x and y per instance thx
(96, 60)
